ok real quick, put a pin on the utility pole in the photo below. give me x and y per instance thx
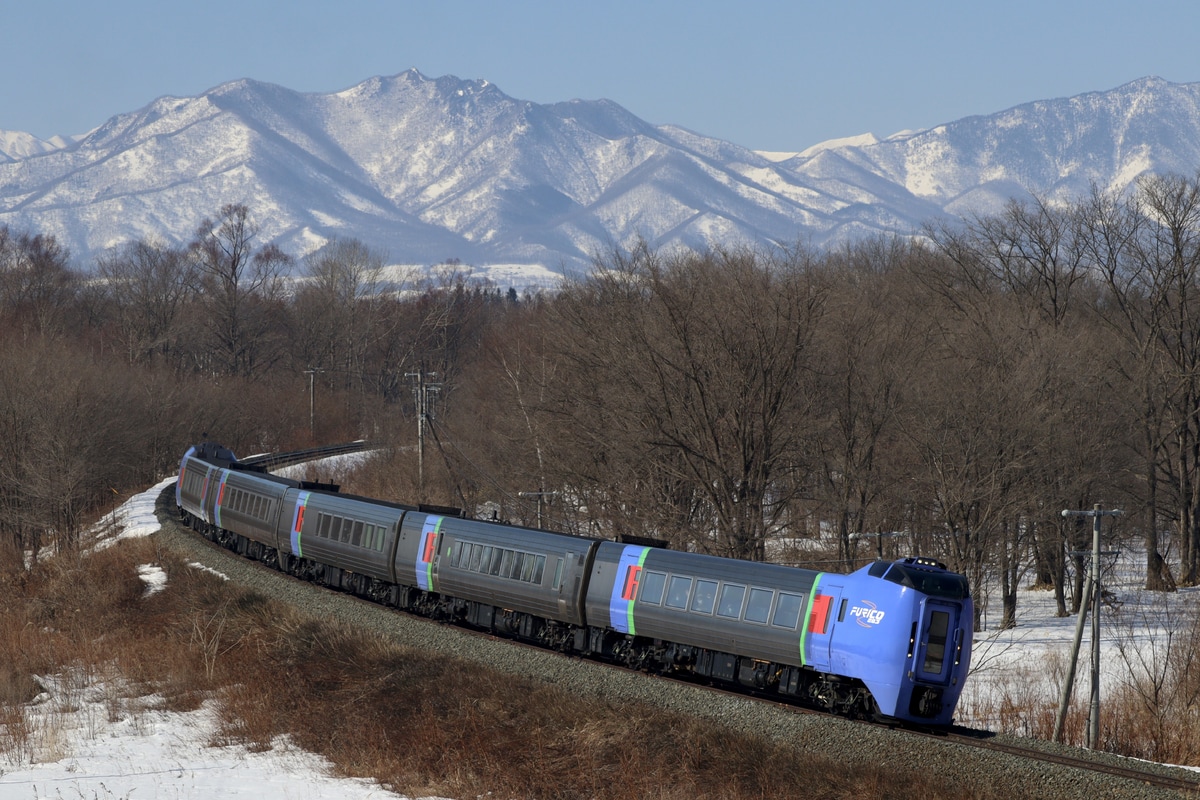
(539, 496)
(1092, 593)
(424, 393)
(311, 372)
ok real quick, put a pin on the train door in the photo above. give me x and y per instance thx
(207, 493)
(936, 641)
(567, 577)
(819, 628)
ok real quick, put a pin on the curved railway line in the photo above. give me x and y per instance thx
(1091, 773)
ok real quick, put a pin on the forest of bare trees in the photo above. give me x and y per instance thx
(946, 395)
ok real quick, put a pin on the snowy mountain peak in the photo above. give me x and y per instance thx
(428, 169)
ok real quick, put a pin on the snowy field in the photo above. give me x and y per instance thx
(93, 744)
(1028, 664)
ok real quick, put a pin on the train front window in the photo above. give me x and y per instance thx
(935, 584)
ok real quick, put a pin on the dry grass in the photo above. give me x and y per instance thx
(417, 723)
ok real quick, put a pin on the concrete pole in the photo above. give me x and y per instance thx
(1092, 594)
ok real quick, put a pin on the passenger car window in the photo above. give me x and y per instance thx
(653, 584)
(677, 595)
(759, 607)
(731, 601)
(787, 611)
(705, 597)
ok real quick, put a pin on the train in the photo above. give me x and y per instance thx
(890, 641)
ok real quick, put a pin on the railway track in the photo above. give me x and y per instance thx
(1096, 762)
(271, 461)
(1141, 773)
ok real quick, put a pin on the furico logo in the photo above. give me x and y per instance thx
(867, 614)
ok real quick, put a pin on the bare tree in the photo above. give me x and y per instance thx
(37, 286)
(148, 283)
(241, 290)
(869, 349)
(688, 373)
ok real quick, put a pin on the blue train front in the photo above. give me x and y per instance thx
(904, 629)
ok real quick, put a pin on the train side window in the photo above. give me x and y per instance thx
(842, 612)
(494, 567)
(677, 594)
(347, 527)
(653, 584)
(705, 597)
(539, 570)
(731, 601)
(476, 554)
(558, 568)
(356, 536)
(787, 610)
(527, 567)
(506, 566)
(759, 607)
(485, 561)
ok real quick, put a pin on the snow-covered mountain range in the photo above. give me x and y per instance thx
(428, 170)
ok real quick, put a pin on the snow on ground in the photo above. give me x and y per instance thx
(92, 743)
(1028, 663)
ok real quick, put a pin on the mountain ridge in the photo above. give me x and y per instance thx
(433, 169)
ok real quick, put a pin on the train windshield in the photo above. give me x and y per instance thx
(935, 584)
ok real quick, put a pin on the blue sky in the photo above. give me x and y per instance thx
(766, 75)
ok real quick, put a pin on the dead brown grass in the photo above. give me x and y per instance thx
(417, 723)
